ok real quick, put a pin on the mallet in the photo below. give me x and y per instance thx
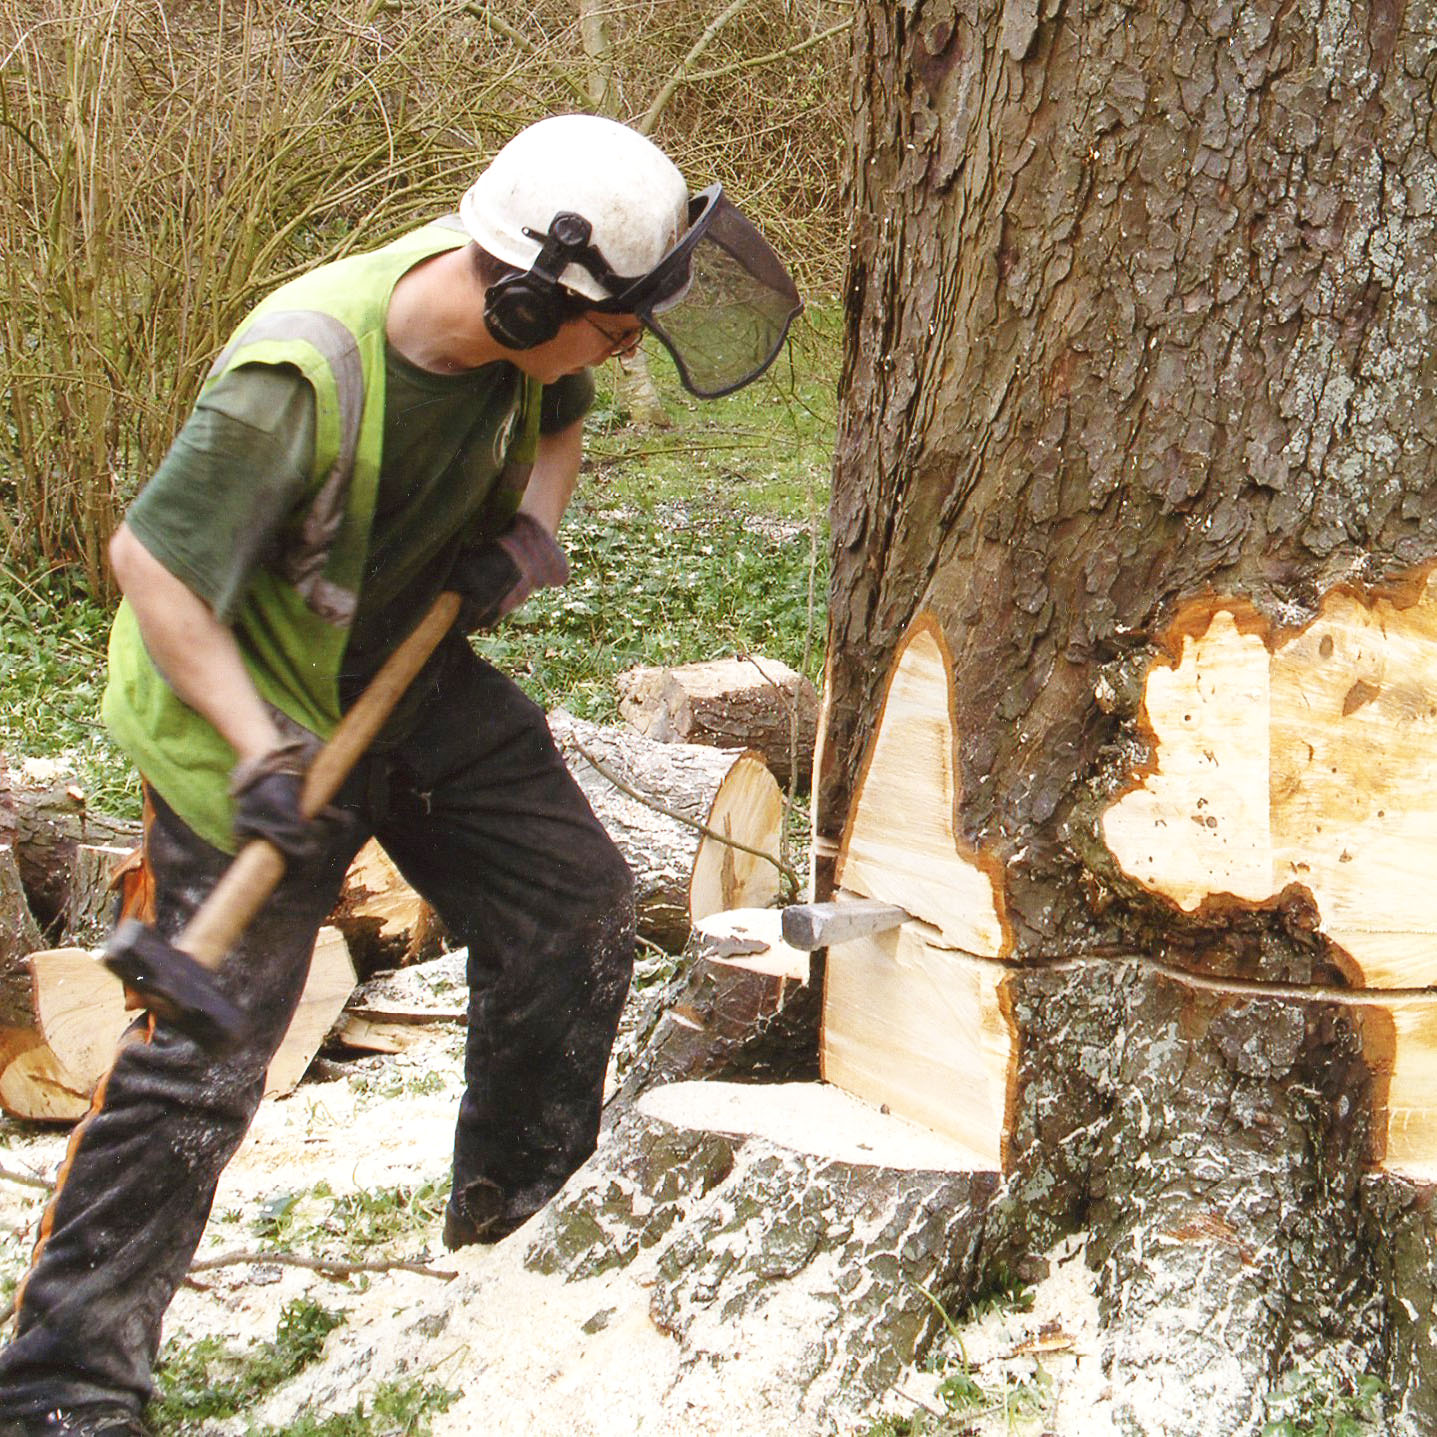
(176, 980)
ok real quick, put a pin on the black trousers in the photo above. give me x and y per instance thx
(477, 810)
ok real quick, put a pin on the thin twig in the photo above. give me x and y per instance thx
(328, 1266)
(25, 1180)
(649, 801)
(486, 13)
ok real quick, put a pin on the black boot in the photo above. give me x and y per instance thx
(104, 1419)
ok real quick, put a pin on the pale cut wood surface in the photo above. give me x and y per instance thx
(384, 921)
(754, 936)
(331, 980)
(1400, 1039)
(812, 1118)
(901, 846)
(1312, 763)
(79, 1011)
(1199, 823)
(80, 1016)
(748, 806)
(921, 1031)
(34, 1086)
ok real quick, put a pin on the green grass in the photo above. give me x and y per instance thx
(700, 541)
(765, 450)
(397, 1409)
(52, 673)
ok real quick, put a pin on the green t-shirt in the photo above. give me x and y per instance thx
(236, 479)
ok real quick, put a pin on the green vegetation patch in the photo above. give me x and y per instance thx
(1323, 1402)
(52, 657)
(205, 1381)
(353, 1222)
(397, 1409)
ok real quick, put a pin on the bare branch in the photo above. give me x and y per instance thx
(661, 100)
(330, 1268)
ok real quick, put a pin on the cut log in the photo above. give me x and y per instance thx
(50, 1070)
(80, 1013)
(91, 899)
(51, 818)
(33, 1084)
(384, 921)
(391, 1030)
(741, 1006)
(19, 937)
(653, 797)
(750, 702)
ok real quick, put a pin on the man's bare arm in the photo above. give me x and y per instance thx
(556, 472)
(195, 652)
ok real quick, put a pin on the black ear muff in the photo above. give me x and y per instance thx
(524, 310)
(527, 309)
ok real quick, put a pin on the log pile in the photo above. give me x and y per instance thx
(699, 826)
(51, 1065)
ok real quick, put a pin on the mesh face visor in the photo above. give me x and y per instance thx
(721, 300)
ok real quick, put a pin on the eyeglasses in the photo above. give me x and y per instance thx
(621, 346)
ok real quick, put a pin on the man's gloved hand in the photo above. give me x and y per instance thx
(498, 576)
(266, 790)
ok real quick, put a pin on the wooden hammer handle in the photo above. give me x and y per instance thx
(258, 867)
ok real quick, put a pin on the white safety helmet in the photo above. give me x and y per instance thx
(578, 205)
(631, 193)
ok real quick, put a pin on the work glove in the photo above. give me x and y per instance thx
(266, 790)
(497, 577)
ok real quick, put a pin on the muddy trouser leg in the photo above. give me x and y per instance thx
(141, 1171)
(488, 824)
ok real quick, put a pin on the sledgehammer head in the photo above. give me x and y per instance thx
(175, 987)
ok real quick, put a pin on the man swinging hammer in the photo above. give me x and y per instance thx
(382, 429)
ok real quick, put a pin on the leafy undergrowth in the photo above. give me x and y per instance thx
(351, 1224)
(660, 589)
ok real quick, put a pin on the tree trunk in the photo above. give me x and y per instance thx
(1137, 406)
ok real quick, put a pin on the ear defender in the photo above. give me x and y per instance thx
(525, 310)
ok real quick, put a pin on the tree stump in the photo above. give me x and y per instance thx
(741, 1006)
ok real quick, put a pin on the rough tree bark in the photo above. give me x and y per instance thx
(1138, 325)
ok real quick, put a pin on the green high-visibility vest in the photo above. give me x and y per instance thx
(293, 624)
